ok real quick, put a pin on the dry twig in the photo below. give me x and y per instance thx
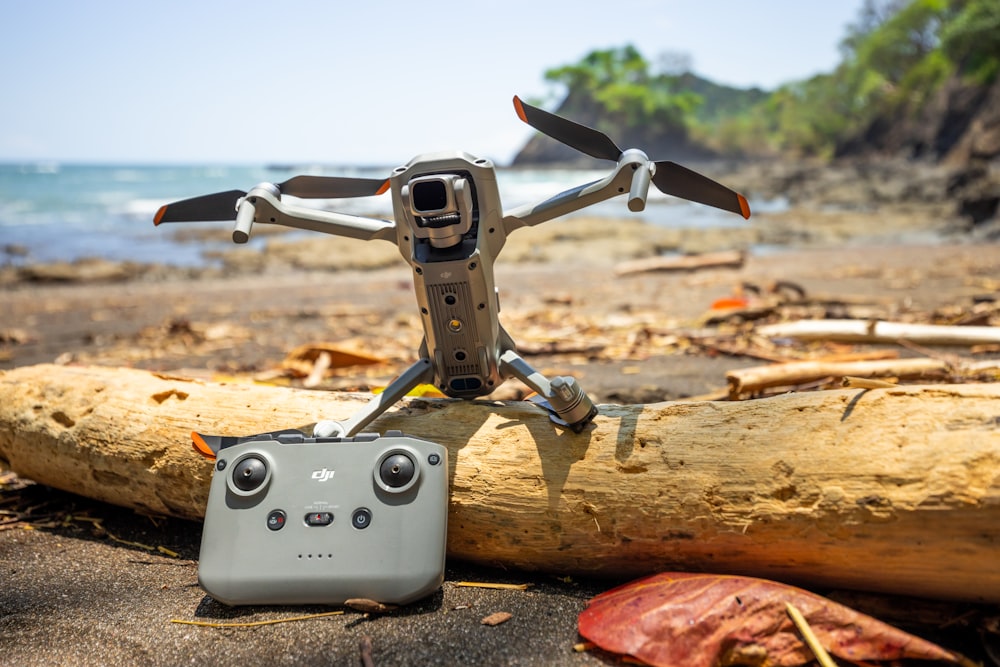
(254, 624)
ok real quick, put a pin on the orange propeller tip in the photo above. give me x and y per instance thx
(159, 215)
(385, 186)
(744, 207)
(519, 108)
(201, 446)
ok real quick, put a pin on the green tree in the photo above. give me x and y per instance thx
(972, 40)
(618, 84)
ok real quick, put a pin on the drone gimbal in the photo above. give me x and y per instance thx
(450, 226)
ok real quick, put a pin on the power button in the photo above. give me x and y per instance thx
(276, 520)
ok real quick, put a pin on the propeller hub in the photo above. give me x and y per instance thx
(269, 188)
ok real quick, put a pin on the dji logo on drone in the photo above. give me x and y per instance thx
(323, 475)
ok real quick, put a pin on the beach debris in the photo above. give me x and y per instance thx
(497, 618)
(313, 360)
(702, 620)
(365, 647)
(850, 382)
(367, 606)
(493, 586)
(15, 251)
(724, 259)
(824, 373)
(86, 270)
(810, 638)
(15, 336)
(319, 369)
(255, 624)
(743, 381)
(877, 331)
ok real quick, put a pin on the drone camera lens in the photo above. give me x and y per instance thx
(429, 196)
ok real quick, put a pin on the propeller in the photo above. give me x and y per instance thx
(670, 178)
(223, 205)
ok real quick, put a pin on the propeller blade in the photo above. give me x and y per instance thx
(218, 206)
(673, 179)
(584, 139)
(332, 187)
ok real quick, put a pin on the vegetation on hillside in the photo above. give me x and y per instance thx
(896, 57)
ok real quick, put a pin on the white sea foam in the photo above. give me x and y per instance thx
(62, 211)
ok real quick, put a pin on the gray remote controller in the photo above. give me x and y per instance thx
(298, 520)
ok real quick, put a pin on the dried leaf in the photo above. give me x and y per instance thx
(702, 620)
(303, 358)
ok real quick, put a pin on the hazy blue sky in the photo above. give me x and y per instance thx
(362, 82)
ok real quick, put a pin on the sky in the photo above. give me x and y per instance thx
(352, 83)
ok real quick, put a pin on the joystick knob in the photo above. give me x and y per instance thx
(249, 473)
(396, 470)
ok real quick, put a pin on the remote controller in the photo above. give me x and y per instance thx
(299, 520)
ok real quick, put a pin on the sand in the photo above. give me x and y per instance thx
(73, 595)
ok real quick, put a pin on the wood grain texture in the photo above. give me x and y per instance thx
(894, 490)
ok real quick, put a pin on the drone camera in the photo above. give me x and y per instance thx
(441, 205)
(432, 197)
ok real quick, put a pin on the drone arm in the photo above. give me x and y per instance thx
(268, 208)
(420, 372)
(567, 403)
(632, 175)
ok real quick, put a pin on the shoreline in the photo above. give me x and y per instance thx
(803, 204)
(599, 240)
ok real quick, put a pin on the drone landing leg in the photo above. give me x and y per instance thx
(567, 403)
(422, 371)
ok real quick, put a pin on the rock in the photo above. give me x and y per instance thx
(960, 123)
(91, 269)
(976, 190)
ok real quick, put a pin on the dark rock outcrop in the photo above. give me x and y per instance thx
(959, 124)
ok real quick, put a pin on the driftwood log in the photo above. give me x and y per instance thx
(723, 259)
(876, 331)
(892, 490)
(790, 373)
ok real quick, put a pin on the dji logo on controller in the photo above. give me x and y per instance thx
(323, 475)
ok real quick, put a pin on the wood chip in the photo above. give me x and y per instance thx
(369, 606)
(866, 383)
(497, 618)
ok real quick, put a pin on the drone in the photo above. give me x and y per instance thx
(449, 226)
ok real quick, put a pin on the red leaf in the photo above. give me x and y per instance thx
(703, 620)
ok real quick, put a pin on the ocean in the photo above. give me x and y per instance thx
(52, 212)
